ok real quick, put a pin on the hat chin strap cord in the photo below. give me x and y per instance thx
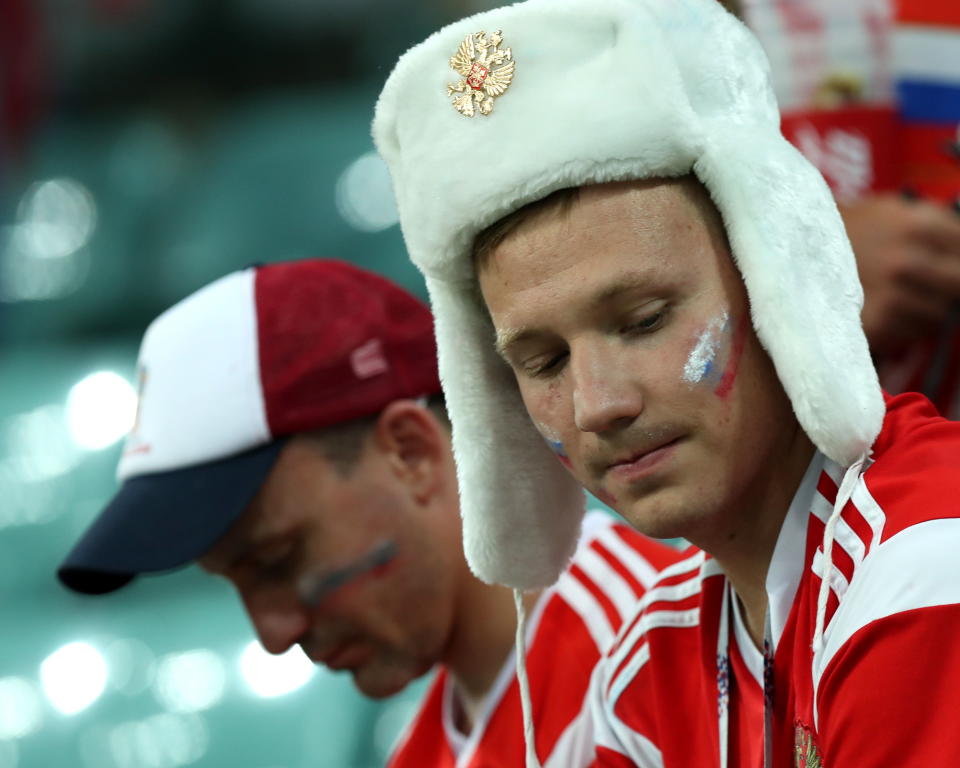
(529, 735)
(850, 478)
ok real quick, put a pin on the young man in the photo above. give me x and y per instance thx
(630, 265)
(290, 438)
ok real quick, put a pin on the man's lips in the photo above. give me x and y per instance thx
(346, 656)
(635, 465)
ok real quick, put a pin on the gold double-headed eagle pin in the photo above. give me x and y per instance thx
(486, 72)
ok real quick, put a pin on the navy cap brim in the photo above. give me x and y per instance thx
(165, 520)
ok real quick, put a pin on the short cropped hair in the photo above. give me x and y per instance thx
(342, 444)
(486, 242)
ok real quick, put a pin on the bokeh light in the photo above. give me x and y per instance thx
(101, 409)
(73, 677)
(9, 754)
(37, 441)
(190, 681)
(364, 194)
(41, 256)
(269, 675)
(21, 710)
(132, 664)
(161, 741)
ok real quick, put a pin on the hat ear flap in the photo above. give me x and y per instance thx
(521, 508)
(801, 279)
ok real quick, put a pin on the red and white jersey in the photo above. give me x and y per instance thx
(571, 625)
(883, 690)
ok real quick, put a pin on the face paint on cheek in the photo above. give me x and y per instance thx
(733, 360)
(556, 445)
(701, 366)
(714, 359)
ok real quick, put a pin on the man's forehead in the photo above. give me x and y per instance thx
(639, 214)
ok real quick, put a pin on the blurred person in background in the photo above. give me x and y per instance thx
(290, 438)
(870, 93)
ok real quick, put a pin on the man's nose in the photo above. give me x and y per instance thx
(605, 396)
(280, 622)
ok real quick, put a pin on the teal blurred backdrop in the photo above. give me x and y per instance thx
(146, 148)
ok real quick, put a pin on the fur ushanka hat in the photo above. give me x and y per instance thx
(563, 93)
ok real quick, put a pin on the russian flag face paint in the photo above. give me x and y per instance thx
(715, 357)
(701, 365)
(555, 443)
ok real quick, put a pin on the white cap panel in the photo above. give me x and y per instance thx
(200, 390)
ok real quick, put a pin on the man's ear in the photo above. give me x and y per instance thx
(415, 444)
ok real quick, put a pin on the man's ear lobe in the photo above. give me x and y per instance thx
(412, 439)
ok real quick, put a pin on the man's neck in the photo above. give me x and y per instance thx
(485, 631)
(744, 550)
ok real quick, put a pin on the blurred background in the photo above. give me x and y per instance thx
(148, 147)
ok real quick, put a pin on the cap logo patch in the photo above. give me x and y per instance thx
(135, 442)
(485, 76)
(368, 360)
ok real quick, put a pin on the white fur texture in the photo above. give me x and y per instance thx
(607, 90)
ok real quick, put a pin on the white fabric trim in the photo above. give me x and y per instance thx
(867, 506)
(575, 748)
(625, 676)
(586, 605)
(927, 53)
(638, 747)
(456, 739)
(838, 582)
(687, 618)
(843, 534)
(693, 563)
(643, 752)
(608, 581)
(916, 568)
(673, 593)
(201, 397)
(786, 564)
(748, 651)
(645, 573)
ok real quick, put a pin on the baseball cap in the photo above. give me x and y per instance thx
(224, 377)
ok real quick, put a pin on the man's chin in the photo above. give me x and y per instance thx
(381, 684)
(657, 514)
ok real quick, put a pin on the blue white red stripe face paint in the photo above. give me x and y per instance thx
(555, 443)
(715, 357)
(701, 365)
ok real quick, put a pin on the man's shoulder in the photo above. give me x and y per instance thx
(915, 474)
(611, 570)
(897, 540)
(618, 543)
(676, 602)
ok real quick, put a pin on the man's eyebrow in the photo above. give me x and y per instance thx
(632, 281)
(510, 337)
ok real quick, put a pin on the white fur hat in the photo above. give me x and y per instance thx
(579, 92)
